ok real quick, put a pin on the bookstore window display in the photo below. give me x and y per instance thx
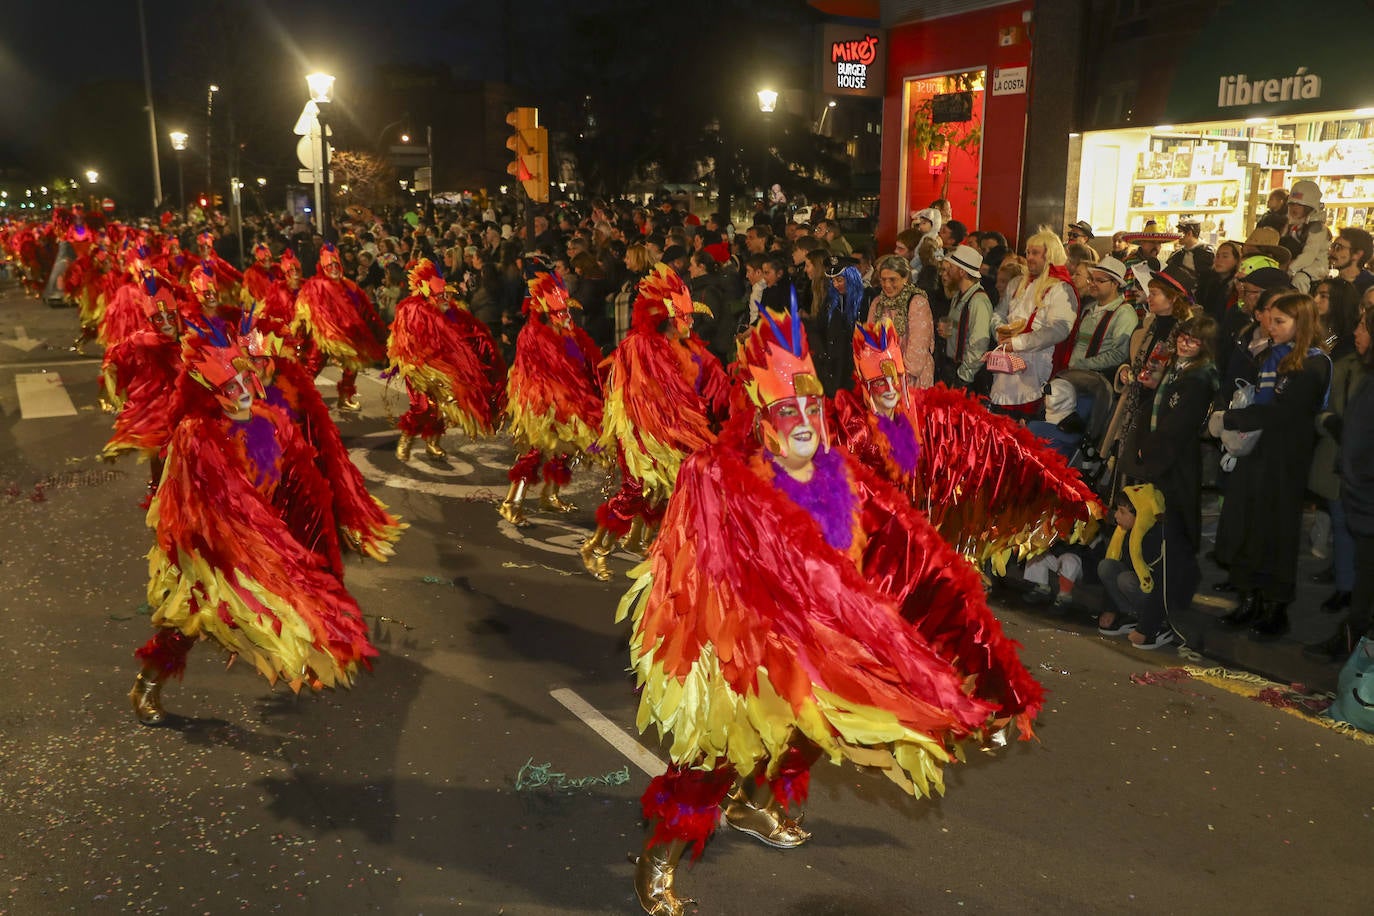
(1222, 173)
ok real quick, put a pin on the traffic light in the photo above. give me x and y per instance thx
(530, 144)
(204, 202)
(219, 200)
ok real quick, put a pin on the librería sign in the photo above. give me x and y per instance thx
(1239, 89)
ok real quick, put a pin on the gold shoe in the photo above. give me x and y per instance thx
(594, 551)
(768, 824)
(147, 698)
(350, 404)
(550, 501)
(655, 871)
(433, 449)
(403, 447)
(511, 508)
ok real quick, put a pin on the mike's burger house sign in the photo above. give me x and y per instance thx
(852, 61)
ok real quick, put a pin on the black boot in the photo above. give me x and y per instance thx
(1335, 649)
(1244, 613)
(1338, 601)
(1272, 622)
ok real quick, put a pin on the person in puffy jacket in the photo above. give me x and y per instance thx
(1307, 236)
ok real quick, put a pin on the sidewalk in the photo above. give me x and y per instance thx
(1279, 660)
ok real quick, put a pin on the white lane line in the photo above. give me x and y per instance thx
(42, 394)
(607, 729)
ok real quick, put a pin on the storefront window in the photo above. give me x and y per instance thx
(942, 145)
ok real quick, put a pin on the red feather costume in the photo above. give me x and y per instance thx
(768, 629)
(990, 486)
(338, 320)
(246, 547)
(446, 358)
(259, 277)
(228, 278)
(554, 398)
(664, 395)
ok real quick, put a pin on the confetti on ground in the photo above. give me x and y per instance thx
(511, 565)
(541, 775)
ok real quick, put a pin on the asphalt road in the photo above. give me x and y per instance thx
(452, 779)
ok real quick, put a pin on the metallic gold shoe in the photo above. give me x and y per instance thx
(655, 871)
(433, 449)
(147, 698)
(350, 404)
(639, 539)
(550, 501)
(512, 508)
(595, 550)
(768, 823)
(403, 447)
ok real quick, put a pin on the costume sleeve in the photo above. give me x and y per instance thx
(747, 625)
(430, 355)
(227, 565)
(991, 487)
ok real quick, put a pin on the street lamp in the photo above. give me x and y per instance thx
(262, 182)
(92, 176)
(179, 138)
(209, 121)
(768, 100)
(321, 93)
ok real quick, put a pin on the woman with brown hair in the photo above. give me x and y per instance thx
(906, 306)
(637, 264)
(1257, 538)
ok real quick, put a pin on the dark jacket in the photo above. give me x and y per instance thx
(1261, 517)
(1357, 458)
(717, 329)
(1171, 452)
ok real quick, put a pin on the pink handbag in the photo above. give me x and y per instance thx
(1000, 359)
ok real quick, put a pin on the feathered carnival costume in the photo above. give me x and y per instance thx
(992, 488)
(446, 358)
(554, 398)
(228, 279)
(793, 607)
(246, 550)
(259, 277)
(665, 395)
(341, 324)
(139, 376)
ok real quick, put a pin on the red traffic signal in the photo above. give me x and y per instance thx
(530, 144)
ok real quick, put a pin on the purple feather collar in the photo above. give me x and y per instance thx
(901, 438)
(827, 496)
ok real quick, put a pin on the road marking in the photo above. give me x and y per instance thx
(614, 734)
(22, 340)
(42, 394)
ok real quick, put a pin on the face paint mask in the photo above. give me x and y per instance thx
(796, 426)
(236, 395)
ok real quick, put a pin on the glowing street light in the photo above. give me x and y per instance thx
(405, 138)
(321, 87)
(92, 176)
(179, 138)
(768, 100)
(262, 182)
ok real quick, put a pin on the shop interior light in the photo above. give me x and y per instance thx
(1364, 112)
(1256, 120)
(1164, 127)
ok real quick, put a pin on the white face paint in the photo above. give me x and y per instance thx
(237, 394)
(804, 439)
(888, 400)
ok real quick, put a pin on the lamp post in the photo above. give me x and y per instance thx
(209, 121)
(179, 138)
(768, 103)
(92, 176)
(321, 93)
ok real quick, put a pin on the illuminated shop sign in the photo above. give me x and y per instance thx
(852, 61)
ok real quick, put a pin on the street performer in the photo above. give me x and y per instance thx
(336, 320)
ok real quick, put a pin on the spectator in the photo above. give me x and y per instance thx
(1170, 455)
(907, 306)
(1009, 276)
(1121, 249)
(1355, 431)
(1081, 231)
(988, 240)
(952, 234)
(927, 223)
(1104, 333)
(1276, 217)
(718, 328)
(908, 240)
(1191, 252)
(1347, 373)
(1130, 584)
(967, 329)
(1257, 540)
(1081, 258)
(1042, 314)
(637, 265)
(1349, 256)
(753, 276)
(1216, 288)
(829, 232)
(392, 291)
(1307, 237)
(1338, 311)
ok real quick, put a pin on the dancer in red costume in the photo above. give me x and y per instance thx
(336, 320)
(761, 643)
(276, 311)
(246, 550)
(437, 347)
(174, 263)
(260, 276)
(139, 379)
(212, 298)
(665, 394)
(554, 394)
(90, 281)
(124, 315)
(227, 277)
(992, 488)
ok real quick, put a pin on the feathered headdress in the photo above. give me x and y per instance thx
(780, 369)
(878, 357)
(156, 298)
(262, 253)
(328, 255)
(213, 359)
(424, 279)
(203, 281)
(662, 294)
(206, 239)
(547, 295)
(289, 263)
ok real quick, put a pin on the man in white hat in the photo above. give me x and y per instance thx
(1104, 333)
(967, 329)
(1307, 236)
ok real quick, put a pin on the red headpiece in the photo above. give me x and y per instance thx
(206, 239)
(215, 361)
(203, 282)
(878, 362)
(328, 255)
(289, 264)
(262, 253)
(549, 296)
(424, 279)
(662, 294)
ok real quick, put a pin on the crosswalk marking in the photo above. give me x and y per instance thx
(41, 395)
(638, 754)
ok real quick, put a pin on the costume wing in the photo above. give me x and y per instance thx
(139, 377)
(990, 486)
(747, 624)
(553, 395)
(432, 357)
(229, 564)
(326, 312)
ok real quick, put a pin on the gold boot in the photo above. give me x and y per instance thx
(403, 447)
(766, 821)
(655, 871)
(350, 404)
(549, 500)
(147, 697)
(511, 508)
(433, 449)
(594, 552)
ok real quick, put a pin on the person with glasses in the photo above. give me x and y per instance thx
(1104, 334)
(1350, 252)
(1081, 231)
